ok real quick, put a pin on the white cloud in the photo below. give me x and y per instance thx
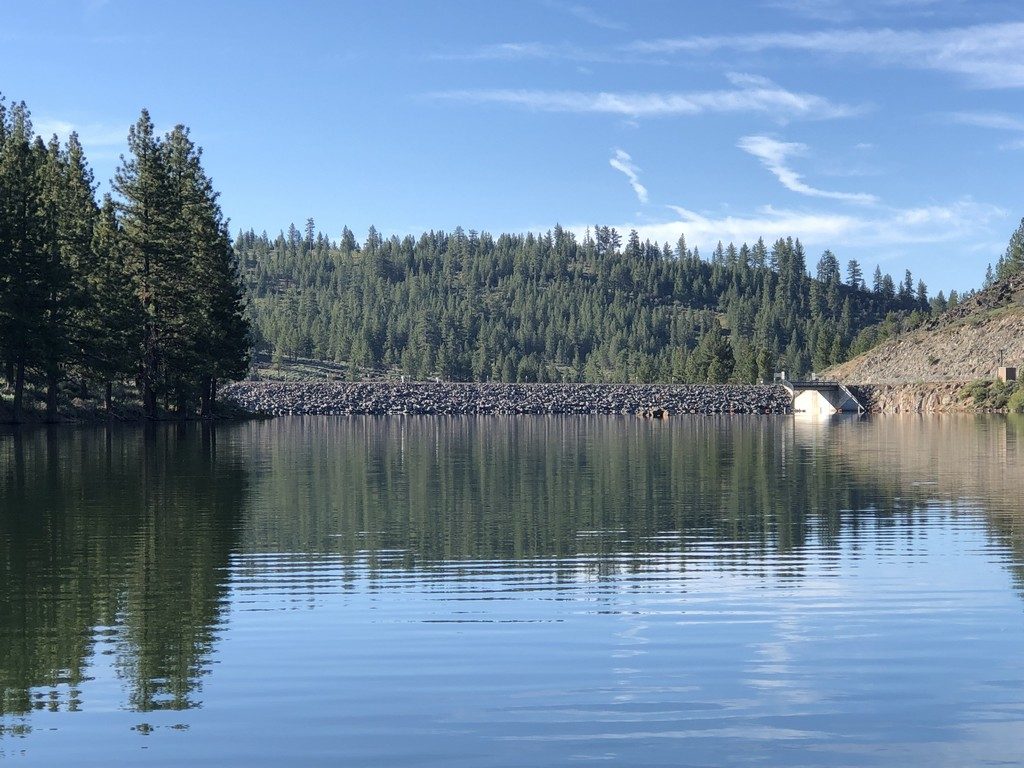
(621, 161)
(996, 120)
(987, 55)
(961, 220)
(90, 134)
(774, 155)
(751, 94)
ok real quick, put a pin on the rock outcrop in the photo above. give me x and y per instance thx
(940, 397)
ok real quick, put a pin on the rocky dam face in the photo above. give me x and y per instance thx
(387, 398)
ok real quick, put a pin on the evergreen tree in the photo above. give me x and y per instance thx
(154, 294)
(1012, 261)
(854, 274)
(23, 290)
(113, 320)
(147, 229)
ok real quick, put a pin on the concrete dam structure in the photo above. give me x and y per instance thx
(822, 398)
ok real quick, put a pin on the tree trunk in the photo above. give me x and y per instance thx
(181, 402)
(19, 390)
(149, 400)
(108, 397)
(204, 398)
(52, 391)
(9, 371)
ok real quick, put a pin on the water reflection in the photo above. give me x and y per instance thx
(113, 544)
(519, 588)
(438, 490)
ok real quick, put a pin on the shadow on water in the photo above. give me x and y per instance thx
(113, 545)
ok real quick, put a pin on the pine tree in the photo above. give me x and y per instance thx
(922, 294)
(57, 253)
(113, 319)
(854, 274)
(226, 326)
(1013, 260)
(147, 227)
(22, 266)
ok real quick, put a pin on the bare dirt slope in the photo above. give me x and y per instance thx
(964, 344)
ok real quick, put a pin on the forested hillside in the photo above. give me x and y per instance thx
(554, 307)
(965, 344)
(138, 295)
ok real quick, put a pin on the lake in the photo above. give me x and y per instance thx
(514, 591)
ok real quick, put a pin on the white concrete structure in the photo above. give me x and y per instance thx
(824, 400)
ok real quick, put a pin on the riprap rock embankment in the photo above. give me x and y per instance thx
(386, 398)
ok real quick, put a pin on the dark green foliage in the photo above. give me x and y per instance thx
(551, 307)
(1012, 262)
(143, 291)
(22, 254)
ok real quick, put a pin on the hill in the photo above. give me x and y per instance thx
(963, 344)
(551, 307)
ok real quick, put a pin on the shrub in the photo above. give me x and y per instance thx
(976, 391)
(989, 394)
(1016, 401)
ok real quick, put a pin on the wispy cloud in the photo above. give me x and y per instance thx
(986, 55)
(834, 11)
(518, 51)
(774, 155)
(621, 161)
(95, 135)
(999, 121)
(751, 94)
(843, 11)
(587, 15)
(962, 220)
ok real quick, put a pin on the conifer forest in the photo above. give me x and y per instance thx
(467, 306)
(136, 295)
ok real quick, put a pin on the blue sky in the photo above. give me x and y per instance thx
(891, 131)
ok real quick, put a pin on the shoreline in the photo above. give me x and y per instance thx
(245, 400)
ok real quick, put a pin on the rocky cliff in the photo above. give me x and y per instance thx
(963, 344)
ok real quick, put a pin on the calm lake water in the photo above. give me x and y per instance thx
(509, 592)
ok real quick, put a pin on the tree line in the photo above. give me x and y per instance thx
(465, 305)
(138, 292)
(1011, 262)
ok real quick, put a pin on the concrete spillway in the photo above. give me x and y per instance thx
(822, 398)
